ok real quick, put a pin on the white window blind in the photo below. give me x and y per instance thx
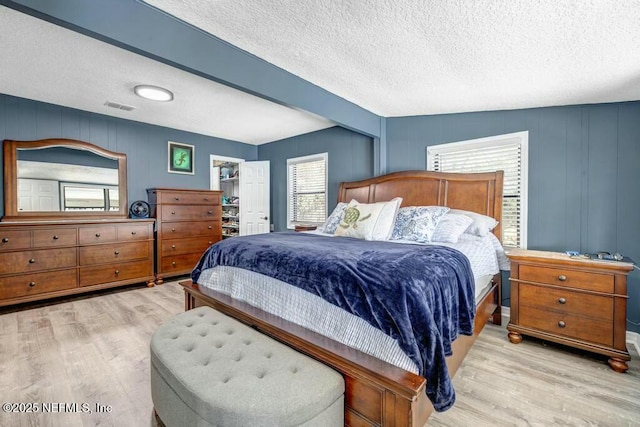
(504, 152)
(307, 190)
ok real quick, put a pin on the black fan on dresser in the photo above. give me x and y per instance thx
(139, 209)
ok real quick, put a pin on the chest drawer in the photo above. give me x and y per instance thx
(47, 238)
(101, 254)
(28, 261)
(566, 301)
(567, 277)
(170, 230)
(126, 232)
(175, 263)
(190, 198)
(189, 213)
(186, 246)
(37, 283)
(97, 234)
(568, 325)
(94, 275)
(15, 239)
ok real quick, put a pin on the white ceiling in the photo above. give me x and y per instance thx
(48, 63)
(392, 57)
(419, 57)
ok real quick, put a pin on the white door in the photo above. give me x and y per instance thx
(38, 195)
(254, 198)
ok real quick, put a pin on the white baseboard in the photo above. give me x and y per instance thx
(633, 338)
(633, 343)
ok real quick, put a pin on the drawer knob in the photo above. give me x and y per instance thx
(562, 324)
(5, 239)
(206, 199)
(133, 233)
(562, 300)
(97, 234)
(55, 237)
(173, 246)
(173, 212)
(173, 229)
(116, 252)
(209, 212)
(177, 198)
(117, 272)
(210, 242)
(32, 284)
(32, 260)
(562, 277)
(173, 263)
(209, 227)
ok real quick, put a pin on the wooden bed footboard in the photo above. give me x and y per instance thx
(376, 393)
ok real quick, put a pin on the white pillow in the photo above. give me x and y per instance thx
(481, 225)
(369, 221)
(333, 220)
(417, 223)
(451, 227)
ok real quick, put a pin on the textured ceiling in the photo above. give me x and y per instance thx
(418, 57)
(48, 63)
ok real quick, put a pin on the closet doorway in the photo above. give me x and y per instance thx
(246, 194)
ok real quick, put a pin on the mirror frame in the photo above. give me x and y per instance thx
(11, 212)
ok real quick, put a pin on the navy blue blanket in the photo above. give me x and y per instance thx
(422, 296)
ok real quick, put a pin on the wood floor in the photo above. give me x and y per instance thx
(95, 351)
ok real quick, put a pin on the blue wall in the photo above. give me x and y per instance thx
(145, 145)
(350, 159)
(584, 171)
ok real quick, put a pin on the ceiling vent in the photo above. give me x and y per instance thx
(119, 106)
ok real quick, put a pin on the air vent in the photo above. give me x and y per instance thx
(119, 106)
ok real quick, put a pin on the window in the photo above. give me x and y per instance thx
(503, 152)
(89, 197)
(307, 190)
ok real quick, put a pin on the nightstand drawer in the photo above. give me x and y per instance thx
(577, 327)
(566, 277)
(566, 301)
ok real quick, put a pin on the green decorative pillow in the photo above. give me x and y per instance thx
(369, 221)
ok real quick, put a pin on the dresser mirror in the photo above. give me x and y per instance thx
(53, 179)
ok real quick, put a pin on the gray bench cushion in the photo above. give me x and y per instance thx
(229, 374)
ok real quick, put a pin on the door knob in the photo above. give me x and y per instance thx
(264, 217)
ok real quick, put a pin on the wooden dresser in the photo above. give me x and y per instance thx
(40, 260)
(578, 302)
(187, 223)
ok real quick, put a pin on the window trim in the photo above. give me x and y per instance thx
(303, 159)
(493, 141)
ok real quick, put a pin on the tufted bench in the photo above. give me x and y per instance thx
(208, 369)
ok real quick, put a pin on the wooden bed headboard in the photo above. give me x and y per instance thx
(475, 192)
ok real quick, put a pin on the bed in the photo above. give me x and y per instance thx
(379, 392)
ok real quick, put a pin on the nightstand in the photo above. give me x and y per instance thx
(305, 227)
(577, 302)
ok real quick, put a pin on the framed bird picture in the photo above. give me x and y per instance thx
(181, 157)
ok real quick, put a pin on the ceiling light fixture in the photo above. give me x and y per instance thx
(153, 93)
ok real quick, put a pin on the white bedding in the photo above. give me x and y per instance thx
(314, 313)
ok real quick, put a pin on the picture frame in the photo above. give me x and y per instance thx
(180, 158)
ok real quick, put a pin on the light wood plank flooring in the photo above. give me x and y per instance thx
(95, 350)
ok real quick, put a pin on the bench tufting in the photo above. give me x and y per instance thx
(208, 369)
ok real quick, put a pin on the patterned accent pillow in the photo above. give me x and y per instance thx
(417, 223)
(332, 222)
(481, 225)
(451, 227)
(369, 221)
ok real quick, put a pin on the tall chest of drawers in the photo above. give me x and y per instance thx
(187, 223)
(49, 259)
(577, 302)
